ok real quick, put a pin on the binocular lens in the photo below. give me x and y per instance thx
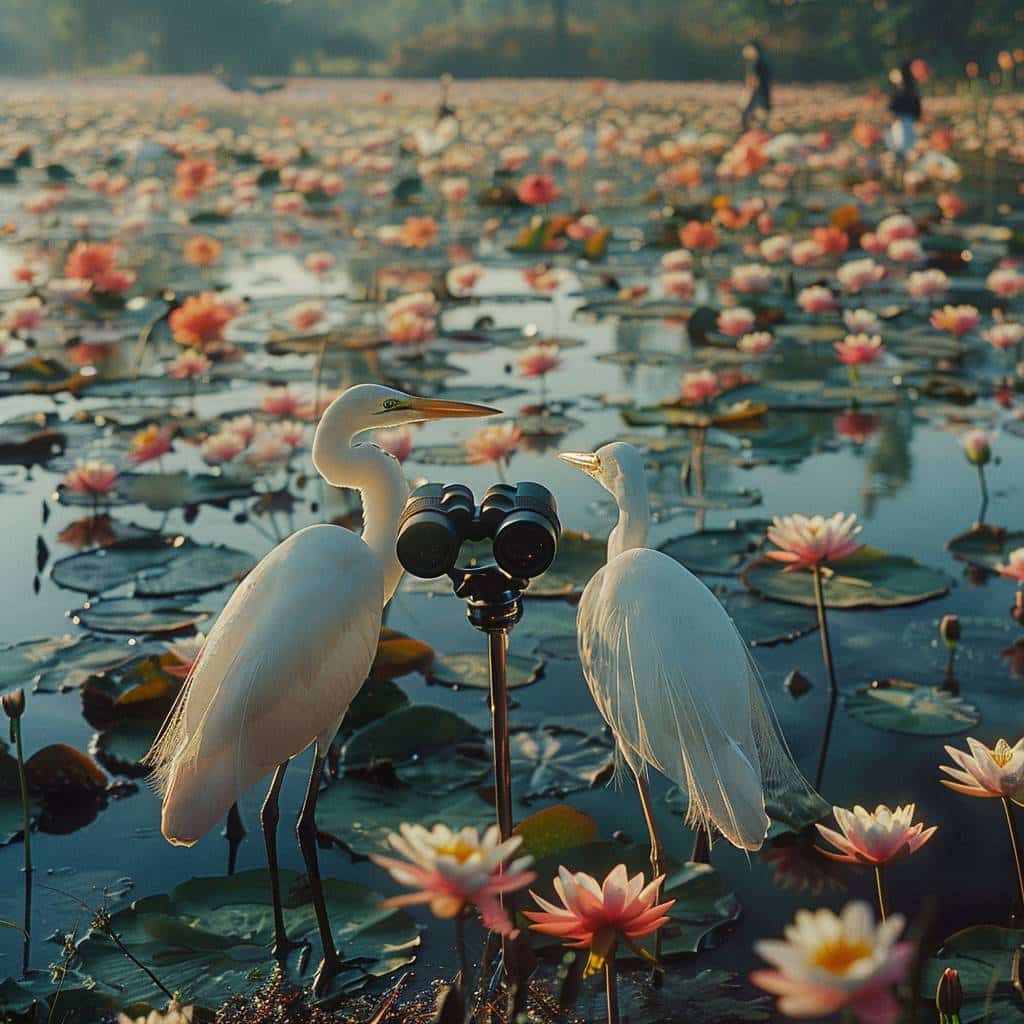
(525, 544)
(428, 544)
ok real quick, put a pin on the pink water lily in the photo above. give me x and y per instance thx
(875, 837)
(808, 541)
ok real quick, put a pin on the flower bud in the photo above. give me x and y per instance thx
(949, 996)
(14, 703)
(949, 630)
(977, 447)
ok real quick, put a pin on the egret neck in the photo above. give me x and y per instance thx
(630, 490)
(381, 484)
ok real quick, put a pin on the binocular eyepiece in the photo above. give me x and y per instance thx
(520, 520)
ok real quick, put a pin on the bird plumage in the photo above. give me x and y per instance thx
(248, 707)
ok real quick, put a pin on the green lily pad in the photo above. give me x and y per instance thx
(36, 998)
(60, 663)
(159, 566)
(709, 997)
(983, 955)
(552, 829)
(579, 557)
(121, 749)
(985, 546)
(717, 552)
(703, 903)
(766, 623)
(550, 627)
(472, 669)
(133, 616)
(549, 763)
(870, 578)
(211, 937)
(441, 454)
(894, 705)
(406, 733)
(163, 492)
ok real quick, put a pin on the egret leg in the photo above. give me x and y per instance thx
(234, 832)
(269, 818)
(657, 853)
(305, 829)
(702, 847)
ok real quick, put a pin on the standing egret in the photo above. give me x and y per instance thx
(672, 676)
(292, 648)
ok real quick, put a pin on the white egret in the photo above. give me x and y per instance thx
(671, 675)
(292, 647)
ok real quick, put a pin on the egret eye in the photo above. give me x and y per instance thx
(390, 403)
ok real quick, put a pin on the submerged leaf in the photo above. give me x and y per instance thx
(894, 705)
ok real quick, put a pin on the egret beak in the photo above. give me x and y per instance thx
(439, 409)
(587, 461)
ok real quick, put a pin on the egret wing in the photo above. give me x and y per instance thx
(279, 670)
(674, 681)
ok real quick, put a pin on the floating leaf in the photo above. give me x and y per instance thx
(60, 663)
(895, 705)
(579, 557)
(159, 566)
(868, 579)
(984, 957)
(131, 615)
(552, 829)
(163, 492)
(398, 655)
(986, 546)
(709, 997)
(551, 762)
(472, 669)
(718, 552)
(766, 623)
(211, 937)
(406, 733)
(121, 749)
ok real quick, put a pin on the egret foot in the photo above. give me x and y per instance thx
(329, 969)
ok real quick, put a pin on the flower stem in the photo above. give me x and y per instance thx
(27, 834)
(460, 948)
(984, 495)
(833, 689)
(882, 897)
(116, 939)
(1011, 826)
(611, 989)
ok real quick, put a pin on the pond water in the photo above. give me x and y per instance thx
(888, 451)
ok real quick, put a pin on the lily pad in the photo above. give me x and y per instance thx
(406, 733)
(398, 655)
(766, 623)
(472, 668)
(555, 828)
(709, 997)
(983, 956)
(159, 566)
(985, 546)
(895, 705)
(579, 557)
(871, 578)
(59, 663)
(211, 937)
(717, 552)
(133, 616)
(703, 903)
(121, 749)
(551, 762)
(163, 492)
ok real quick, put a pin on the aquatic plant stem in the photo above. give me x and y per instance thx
(657, 858)
(984, 495)
(883, 899)
(833, 689)
(1011, 825)
(460, 949)
(116, 939)
(611, 989)
(27, 839)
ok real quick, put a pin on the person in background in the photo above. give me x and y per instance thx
(759, 83)
(904, 109)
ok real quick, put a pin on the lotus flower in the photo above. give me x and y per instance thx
(927, 284)
(736, 322)
(1013, 567)
(151, 443)
(957, 320)
(188, 365)
(987, 772)
(875, 837)
(699, 386)
(828, 962)
(596, 916)
(859, 349)
(448, 870)
(91, 477)
(807, 542)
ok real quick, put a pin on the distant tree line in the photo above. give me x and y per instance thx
(675, 39)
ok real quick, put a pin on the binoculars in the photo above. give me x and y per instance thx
(520, 521)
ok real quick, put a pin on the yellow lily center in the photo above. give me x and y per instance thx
(1002, 753)
(459, 849)
(839, 956)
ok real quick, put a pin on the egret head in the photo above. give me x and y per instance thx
(373, 406)
(618, 467)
